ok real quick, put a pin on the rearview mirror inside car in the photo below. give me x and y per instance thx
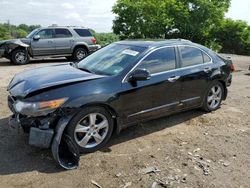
(36, 37)
(139, 75)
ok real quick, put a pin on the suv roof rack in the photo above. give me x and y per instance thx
(54, 25)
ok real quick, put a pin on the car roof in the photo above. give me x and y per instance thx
(156, 43)
(63, 27)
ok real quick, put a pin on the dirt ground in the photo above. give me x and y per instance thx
(190, 149)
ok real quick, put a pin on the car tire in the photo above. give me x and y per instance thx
(91, 129)
(79, 54)
(20, 56)
(213, 98)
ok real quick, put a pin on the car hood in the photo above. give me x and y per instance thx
(40, 78)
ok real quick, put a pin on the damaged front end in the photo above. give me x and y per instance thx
(41, 102)
(46, 130)
(7, 46)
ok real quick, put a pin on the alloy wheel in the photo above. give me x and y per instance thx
(214, 97)
(21, 57)
(91, 130)
(80, 54)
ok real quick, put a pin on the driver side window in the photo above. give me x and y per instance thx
(46, 33)
(159, 61)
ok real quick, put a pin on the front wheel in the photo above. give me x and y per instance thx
(91, 129)
(213, 98)
(20, 56)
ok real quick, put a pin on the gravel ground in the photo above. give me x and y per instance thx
(189, 149)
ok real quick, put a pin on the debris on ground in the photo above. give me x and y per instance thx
(96, 184)
(149, 170)
(118, 175)
(127, 184)
(204, 167)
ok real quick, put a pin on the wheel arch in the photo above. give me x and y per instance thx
(19, 47)
(81, 46)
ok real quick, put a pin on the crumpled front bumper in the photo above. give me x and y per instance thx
(64, 151)
(37, 137)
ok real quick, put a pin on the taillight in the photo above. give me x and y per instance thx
(232, 68)
(93, 40)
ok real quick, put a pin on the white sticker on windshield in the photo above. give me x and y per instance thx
(130, 52)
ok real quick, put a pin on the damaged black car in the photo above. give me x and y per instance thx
(74, 108)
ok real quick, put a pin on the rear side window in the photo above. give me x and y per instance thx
(62, 33)
(191, 56)
(159, 61)
(83, 32)
(206, 58)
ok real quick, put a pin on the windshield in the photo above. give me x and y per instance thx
(31, 33)
(111, 60)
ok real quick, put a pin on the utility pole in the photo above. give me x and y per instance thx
(8, 22)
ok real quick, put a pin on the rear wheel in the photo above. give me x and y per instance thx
(20, 56)
(91, 129)
(213, 97)
(79, 53)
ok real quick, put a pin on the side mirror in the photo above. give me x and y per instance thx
(36, 37)
(139, 75)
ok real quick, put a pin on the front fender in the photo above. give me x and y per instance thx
(64, 151)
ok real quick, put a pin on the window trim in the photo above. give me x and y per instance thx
(203, 51)
(141, 60)
(178, 61)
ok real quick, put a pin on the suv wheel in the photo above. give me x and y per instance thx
(213, 97)
(79, 53)
(91, 129)
(20, 57)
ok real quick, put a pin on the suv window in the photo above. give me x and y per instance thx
(159, 61)
(62, 33)
(46, 34)
(191, 56)
(83, 32)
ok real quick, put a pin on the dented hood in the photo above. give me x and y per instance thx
(36, 79)
(15, 42)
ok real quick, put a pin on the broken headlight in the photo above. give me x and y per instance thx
(38, 108)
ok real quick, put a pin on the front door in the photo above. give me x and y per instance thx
(154, 97)
(45, 45)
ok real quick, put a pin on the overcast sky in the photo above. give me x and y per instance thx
(94, 14)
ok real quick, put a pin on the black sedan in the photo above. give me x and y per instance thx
(75, 107)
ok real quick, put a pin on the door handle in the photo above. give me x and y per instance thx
(50, 41)
(207, 69)
(173, 79)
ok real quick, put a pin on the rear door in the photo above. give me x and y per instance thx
(63, 41)
(45, 45)
(157, 96)
(197, 68)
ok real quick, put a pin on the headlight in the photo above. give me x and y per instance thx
(38, 108)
